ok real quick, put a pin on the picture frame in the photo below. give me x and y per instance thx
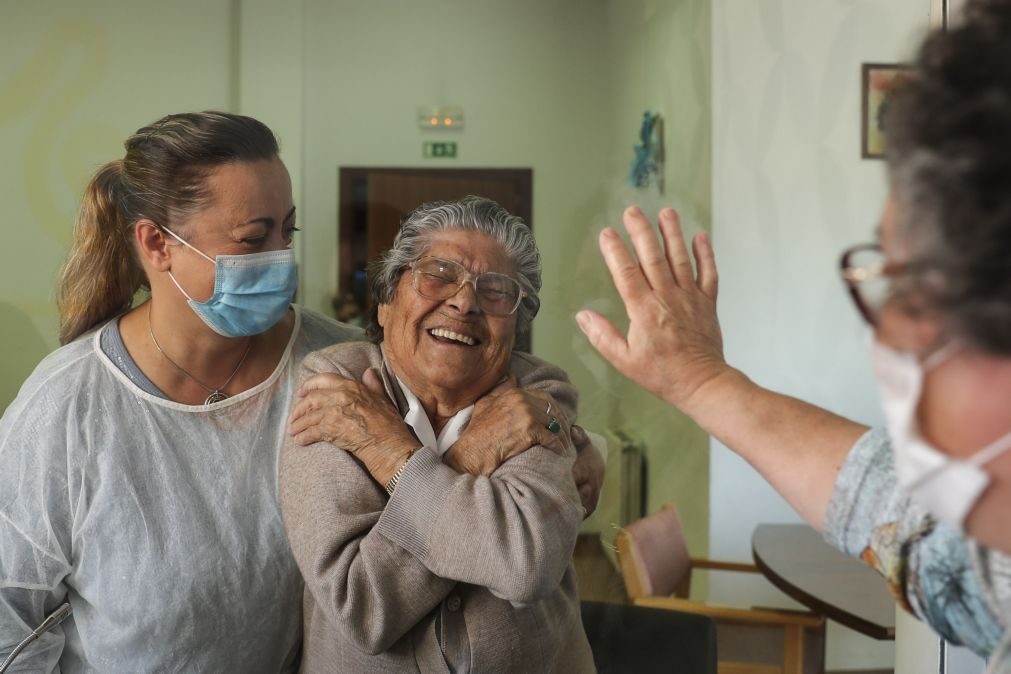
(878, 80)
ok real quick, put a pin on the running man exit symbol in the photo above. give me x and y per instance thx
(445, 150)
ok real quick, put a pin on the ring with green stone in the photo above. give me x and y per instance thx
(554, 426)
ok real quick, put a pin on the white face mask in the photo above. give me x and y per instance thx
(947, 487)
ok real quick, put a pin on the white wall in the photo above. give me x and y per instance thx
(658, 59)
(523, 72)
(269, 72)
(75, 81)
(789, 193)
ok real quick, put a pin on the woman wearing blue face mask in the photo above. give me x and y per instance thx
(139, 460)
(926, 500)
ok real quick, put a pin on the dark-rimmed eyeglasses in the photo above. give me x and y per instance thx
(437, 279)
(869, 276)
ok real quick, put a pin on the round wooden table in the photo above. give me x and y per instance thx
(796, 559)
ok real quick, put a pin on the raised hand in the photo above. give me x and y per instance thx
(674, 346)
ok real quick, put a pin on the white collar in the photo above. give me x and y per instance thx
(418, 420)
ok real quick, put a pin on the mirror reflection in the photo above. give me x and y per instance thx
(746, 117)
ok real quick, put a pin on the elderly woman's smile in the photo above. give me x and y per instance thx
(450, 351)
(452, 337)
(454, 333)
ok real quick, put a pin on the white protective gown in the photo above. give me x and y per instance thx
(157, 521)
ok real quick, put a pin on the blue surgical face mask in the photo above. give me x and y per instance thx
(251, 292)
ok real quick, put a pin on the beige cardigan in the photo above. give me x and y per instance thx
(454, 572)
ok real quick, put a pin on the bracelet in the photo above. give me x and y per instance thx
(392, 484)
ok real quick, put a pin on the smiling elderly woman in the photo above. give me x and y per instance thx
(437, 544)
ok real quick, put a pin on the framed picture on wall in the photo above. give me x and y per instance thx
(878, 82)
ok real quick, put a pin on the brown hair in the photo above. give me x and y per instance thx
(162, 178)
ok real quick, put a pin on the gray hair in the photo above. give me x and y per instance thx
(471, 213)
(949, 135)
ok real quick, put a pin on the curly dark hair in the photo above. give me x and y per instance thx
(949, 156)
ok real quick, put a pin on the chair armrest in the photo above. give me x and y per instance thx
(732, 614)
(717, 565)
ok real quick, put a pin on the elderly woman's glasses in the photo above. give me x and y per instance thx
(869, 277)
(438, 279)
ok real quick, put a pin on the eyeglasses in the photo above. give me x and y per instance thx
(438, 279)
(869, 277)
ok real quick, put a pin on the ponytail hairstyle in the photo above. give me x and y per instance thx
(162, 178)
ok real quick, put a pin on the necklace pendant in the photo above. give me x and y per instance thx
(215, 397)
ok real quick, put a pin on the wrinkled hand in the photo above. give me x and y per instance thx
(587, 471)
(357, 417)
(674, 347)
(506, 422)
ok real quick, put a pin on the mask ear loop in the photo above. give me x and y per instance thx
(991, 451)
(185, 294)
(186, 243)
(191, 247)
(942, 354)
(984, 456)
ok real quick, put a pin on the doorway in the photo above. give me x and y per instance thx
(372, 202)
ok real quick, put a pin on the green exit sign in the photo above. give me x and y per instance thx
(439, 150)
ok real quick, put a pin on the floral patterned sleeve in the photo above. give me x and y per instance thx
(942, 577)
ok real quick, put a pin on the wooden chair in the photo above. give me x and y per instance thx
(657, 569)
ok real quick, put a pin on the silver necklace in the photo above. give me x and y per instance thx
(216, 394)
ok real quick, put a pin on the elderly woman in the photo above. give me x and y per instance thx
(421, 548)
(925, 501)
